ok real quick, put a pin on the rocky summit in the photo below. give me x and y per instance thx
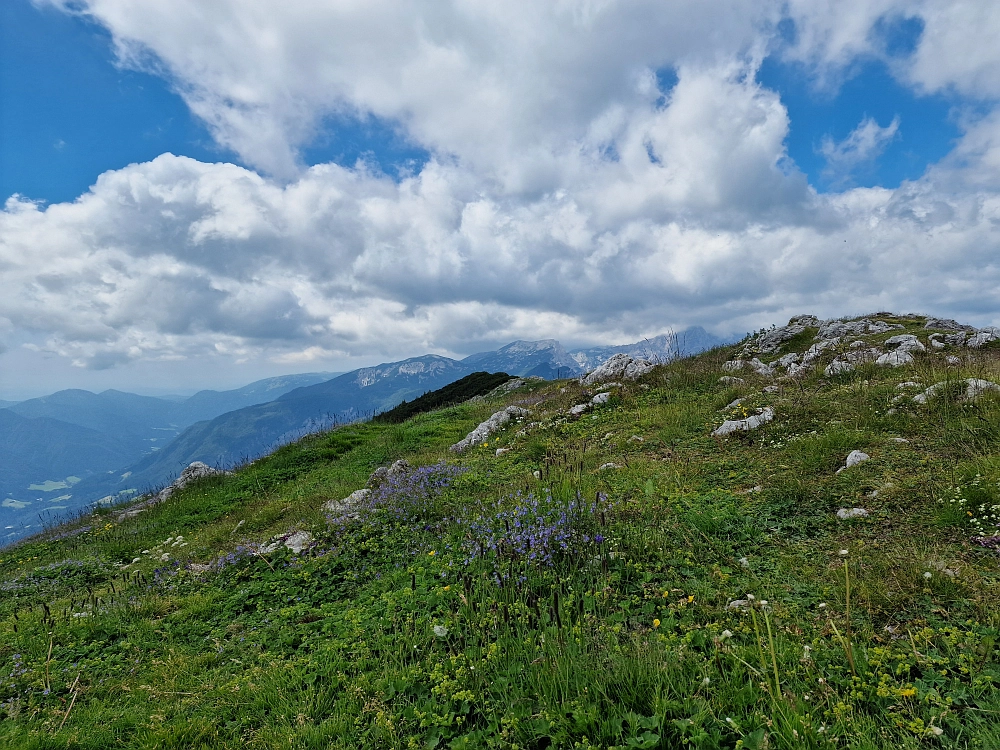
(788, 542)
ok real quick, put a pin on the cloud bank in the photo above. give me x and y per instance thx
(598, 171)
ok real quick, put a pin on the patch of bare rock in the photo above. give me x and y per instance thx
(489, 426)
(619, 367)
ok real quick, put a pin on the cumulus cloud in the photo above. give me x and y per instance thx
(567, 194)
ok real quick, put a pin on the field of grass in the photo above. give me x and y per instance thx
(698, 592)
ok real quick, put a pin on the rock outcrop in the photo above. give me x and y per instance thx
(620, 366)
(489, 426)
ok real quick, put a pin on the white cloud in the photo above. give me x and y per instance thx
(859, 149)
(566, 194)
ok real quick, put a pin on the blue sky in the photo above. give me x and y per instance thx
(323, 186)
(71, 113)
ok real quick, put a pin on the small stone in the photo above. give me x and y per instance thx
(501, 451)
(738, 604)
(908, 384)
(607, 466)
(730, 380)
(845, 514)
(577, 410)
(732, 404)
(853, 459)
(299, 541)
(951, 359)
(600, 398)
(899, 440)
(763, 416)
(771, 388)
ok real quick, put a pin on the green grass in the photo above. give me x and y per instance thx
(625, 643)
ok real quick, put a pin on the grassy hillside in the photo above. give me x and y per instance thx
(619, 580)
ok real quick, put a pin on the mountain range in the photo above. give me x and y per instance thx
(73, 448)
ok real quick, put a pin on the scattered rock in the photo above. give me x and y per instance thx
(732, 404)
(488, 427)
(296, 541)
(730, 380)
(349, 508)
(607, 466)
(619, 366)
(908, 384)
(935, 340)
(600, 398)
(974, 388)
(945, 324)
(838, 367)
(738, 604)
(906, 342)
(636, 439)
(608, 386)
(853, 459)
(951, 359)
(771, 389)
(501, 451)
(386, 472)
(899, 440)
(983, 337)
(299, 541)
(762, 416)
(896, 358)
(734, 365)
(956, 339)
(845, 514)
(577, 410)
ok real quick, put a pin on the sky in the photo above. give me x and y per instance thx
(200, 193)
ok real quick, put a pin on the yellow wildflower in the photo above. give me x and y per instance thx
(656, 623)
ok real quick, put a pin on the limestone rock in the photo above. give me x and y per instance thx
(838, 367)
(730, 380)
(383, 472)
(296, 542)
(853, 459)
(905, 342)
(845, 514)
(896, 358)
(952, 360)
(577, 410)
(983, 337)
(349, 508)
(620, 366)
(601, 398)
(489, 426)
(944, 324)
(762, 416)
(974, 387)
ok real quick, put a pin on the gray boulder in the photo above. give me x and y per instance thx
(763, 416)
(489, 426)
(620, 366)
(905, 342)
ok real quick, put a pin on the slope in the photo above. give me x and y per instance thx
(619, 580)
